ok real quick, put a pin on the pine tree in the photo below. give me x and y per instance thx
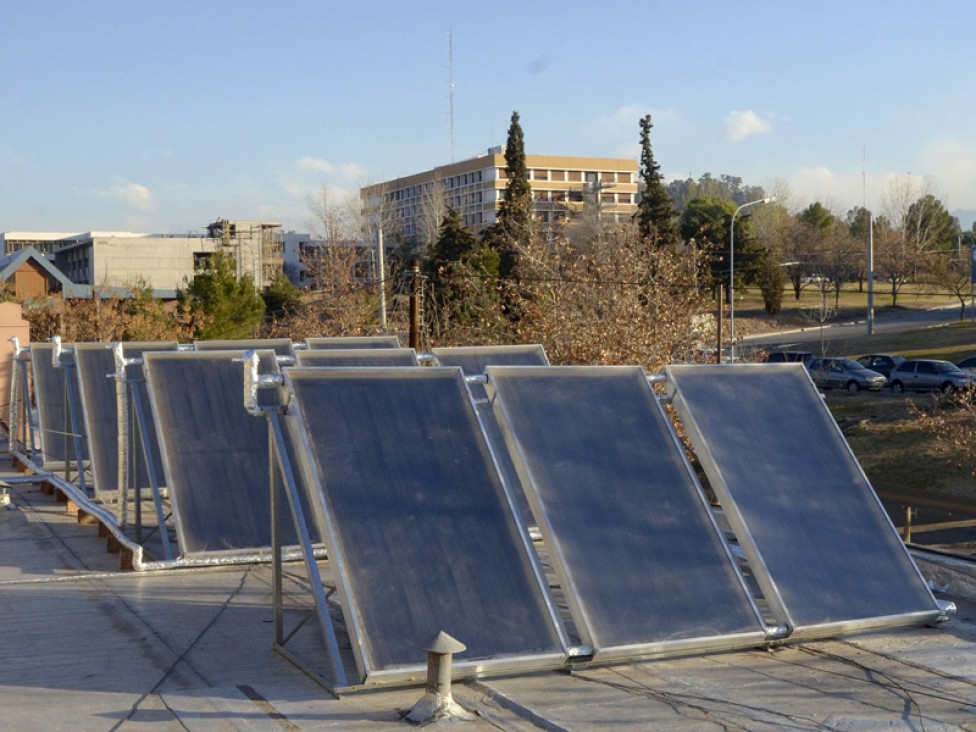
(230, 306)
(454, 242)
(513, 229)
(655, 211)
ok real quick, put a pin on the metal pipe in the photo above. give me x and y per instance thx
(109, 521)
(437, 702)
(122, 425)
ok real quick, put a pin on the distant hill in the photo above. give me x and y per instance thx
(966, 218)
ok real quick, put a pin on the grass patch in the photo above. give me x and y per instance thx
(895, 451)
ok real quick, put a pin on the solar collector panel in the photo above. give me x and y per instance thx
(52, 404)
(644, 568)
(95, 363)
(420, 528)
(802, 508)
(215, 454)
(337, 342)
(354, 357)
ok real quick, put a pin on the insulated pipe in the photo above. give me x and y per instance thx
(14, 402)
(109, 521)
(122, 424)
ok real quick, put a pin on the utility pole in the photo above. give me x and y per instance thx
(415, 304)
(381, 278)
(870, 274)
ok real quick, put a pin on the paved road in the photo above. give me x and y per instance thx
(806, 338)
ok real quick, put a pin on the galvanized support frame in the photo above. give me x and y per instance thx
(282, 480)
(145, 451)
(21, 415)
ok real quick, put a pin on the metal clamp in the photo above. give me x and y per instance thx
(254, 381)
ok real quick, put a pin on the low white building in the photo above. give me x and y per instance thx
(116, 261)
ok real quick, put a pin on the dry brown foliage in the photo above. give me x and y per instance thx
(106, 318)
(341, 302)
(951, 422)
(621, 300)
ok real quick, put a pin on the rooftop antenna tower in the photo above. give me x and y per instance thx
(450, 83)
(864, 178)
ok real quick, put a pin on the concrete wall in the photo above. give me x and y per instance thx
(163, 263)
(11, 324)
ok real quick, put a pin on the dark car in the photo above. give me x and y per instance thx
(883, 363)
(969, 366)
(928, 375)
(844, 373)
(789, 357)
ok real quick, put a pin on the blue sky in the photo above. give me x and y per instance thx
(164, 116)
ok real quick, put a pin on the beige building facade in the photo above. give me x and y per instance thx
(562, 186)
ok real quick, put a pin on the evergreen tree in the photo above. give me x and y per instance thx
(513, 230)
(655, 211)
(462, 274)
(280, 296)
(230, 306)
(454, 242)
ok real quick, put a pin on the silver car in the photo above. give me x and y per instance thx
(928, 375)
(844, 373)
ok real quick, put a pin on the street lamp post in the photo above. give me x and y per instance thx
(759, 202)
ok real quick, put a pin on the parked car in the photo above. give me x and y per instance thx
(969, 366)
(928, 375)
(844, 373)
(789, 357)
(883, 363)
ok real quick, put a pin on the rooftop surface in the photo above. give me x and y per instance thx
(86, 646)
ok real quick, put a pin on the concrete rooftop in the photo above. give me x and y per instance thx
(86, 646)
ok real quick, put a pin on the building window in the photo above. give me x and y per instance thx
(201, 260)
(558, 175)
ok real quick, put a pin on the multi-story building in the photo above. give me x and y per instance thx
(119, 260)
(561, 187)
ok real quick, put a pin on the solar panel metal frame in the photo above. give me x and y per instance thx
(55, 393)
(689, 387)
(473, 359)
(337, 342)
(281, 346)
(330, 526)
(356, 357)
(168, 439)
(566, 511)
(97, 390)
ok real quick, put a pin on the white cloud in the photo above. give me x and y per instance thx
(951, 164)
(738, 126)
(134, 195)
(317, 164)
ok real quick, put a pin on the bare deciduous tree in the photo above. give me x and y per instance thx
(622, 300)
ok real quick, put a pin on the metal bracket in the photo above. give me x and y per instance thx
(253, 381)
